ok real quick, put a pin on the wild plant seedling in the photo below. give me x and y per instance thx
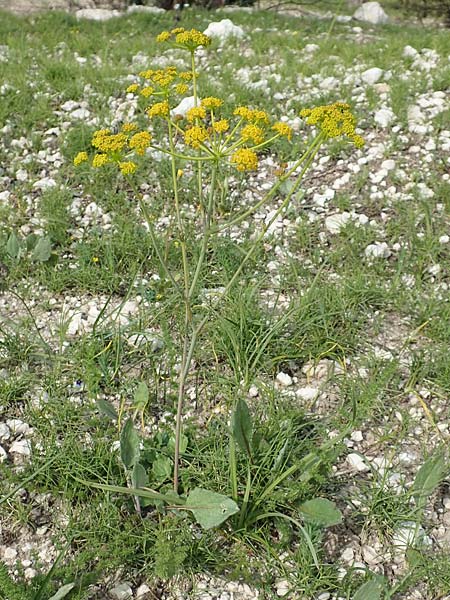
(213, 140)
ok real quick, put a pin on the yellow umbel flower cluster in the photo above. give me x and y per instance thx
(283, 129)
(187, 39)
(253, 133)
(195, 136)
(196, 112)
(252, 115)
(100, 160)
(162, 82)
(105, 141)
(221, 126)
(334, 120)
(81, 157)
(245, 159)
(160, 109)
(140, 142)
(127, 168)
(211, 102)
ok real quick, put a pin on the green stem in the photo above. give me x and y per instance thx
(312, 148)
(187, 359)
(208, 217)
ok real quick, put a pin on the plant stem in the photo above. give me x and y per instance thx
(313, 147)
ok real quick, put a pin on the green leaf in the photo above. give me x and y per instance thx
(241, 426)
(371, 590)
(43, 250)
(428, 477)
(13, 246)
(209, 508)
(31, 241)
(62, 592)
(162, 468)
(139, 477)
(183, 443)
(129, 445)
(141, 396)
(320, 511)
(106, 408)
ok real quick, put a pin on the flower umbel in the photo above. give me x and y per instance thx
(334, 120)
(80, 158)
(245, 159)
(183, 38)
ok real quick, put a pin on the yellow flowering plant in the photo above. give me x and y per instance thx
(210, 137)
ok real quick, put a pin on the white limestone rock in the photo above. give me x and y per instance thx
(377, 250)
(137, 8)
(223, 30)
(372, 76)
(284, 379)
(371, 12)
(356, 463)
(384, 117)
(335, 223)
(96, 14)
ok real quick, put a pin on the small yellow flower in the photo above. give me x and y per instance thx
(160, 109)
(211, 102)
(195, 136)
(99, 160)
(196, 112)
(95, 259)
(221, 126)
(243, 111)
(106, 142)
(180, 173)
(185, 75)
(283, 129)
(163, 36)
(252, 132)
(192, 39)
(140, 142)
(146, 74)
(133, 88)
(129, 127)
(181, 88)
(127, 168)
(259, 115)
(334, 120)
(245, 159)
(80, 158)
(147, 91)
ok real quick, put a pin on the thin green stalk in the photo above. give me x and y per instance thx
(188, 349)
(206, 231)
(233, 470)
(244, 507)
(156, 246)
(313, 147)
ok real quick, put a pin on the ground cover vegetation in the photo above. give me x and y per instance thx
(297, 446)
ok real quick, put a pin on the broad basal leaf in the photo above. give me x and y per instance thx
(43, 250)
(129, 445)
(320, 511)
(106, 408)
(162, 468)
(13, 246)
(209, 508)
(63, 591)
(428, 478)
(141, 396)
(241, 426)
(371, 590)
